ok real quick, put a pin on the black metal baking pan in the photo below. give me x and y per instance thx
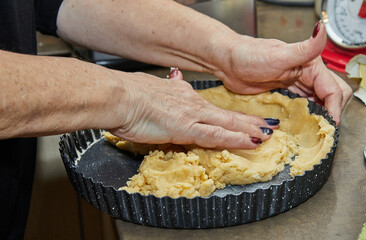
(97, 169)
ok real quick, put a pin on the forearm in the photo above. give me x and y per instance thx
(49, 95)
(160, 32)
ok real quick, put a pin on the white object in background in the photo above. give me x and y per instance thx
(353, 71)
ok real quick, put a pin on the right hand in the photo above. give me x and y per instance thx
(161, 110)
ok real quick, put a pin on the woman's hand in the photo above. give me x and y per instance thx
(258, 65)
(169, 110)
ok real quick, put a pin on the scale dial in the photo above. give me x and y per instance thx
(344, 23)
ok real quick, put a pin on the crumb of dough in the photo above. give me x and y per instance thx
(302, 140)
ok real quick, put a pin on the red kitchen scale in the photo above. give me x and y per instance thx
(345, 22)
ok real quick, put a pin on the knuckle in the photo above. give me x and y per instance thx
(301, 49)
(231, 119)
(203, 136)
(294, 74)
(242, 140)
(218, 133)
(337, 90)
(348, 93)
(215, 136)
(198, 108)
(184, 85)
(259, 121)
(298, 72)
(184, 119)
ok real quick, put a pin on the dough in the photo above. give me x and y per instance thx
(171, 174)
(302, 140)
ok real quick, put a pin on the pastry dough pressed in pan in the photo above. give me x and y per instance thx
(301, 140)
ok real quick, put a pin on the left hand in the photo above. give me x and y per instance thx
(258, 65)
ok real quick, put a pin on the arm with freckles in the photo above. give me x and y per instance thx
(52, 95)
(160, 32)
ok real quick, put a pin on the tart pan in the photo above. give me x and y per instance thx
(97, 169)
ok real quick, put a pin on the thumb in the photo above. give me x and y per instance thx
(306, 51)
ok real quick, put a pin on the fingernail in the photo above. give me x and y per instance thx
(256, 140)
(272, 121)
(173, 72)
(266, 131)
(316, 29)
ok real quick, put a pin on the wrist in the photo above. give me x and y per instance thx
(225, 55)
(114, 95)
(222, 45)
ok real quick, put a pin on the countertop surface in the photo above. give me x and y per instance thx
(338, 210)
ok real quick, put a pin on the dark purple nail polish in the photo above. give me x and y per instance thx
(173, 73)
(316, 29)
(266, 131)
(256, 140)
(272, 121)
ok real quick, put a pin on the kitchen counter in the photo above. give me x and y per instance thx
(338, 210)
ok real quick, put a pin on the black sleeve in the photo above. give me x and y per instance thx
(46, 15)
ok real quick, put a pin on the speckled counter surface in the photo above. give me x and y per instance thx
(338, 210)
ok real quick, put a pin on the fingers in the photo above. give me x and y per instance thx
(175, 74)
(323, 86)
(334, 107)
(253, 126)
(226, 134)
(346, 89)
(300, 53)
(217, 137)
(327, 89)
(339, 95)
